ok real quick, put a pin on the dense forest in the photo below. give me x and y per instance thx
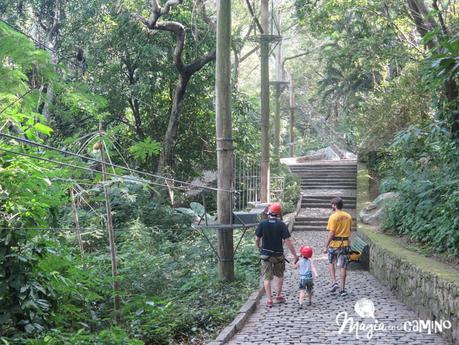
(114, 101)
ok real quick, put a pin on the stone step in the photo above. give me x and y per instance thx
(327, 197)
(330, 176)
(327, 206)
(321, 177)
(320, 171)
(337, 172)
(328, 183)
(313, 228)
(327, 187)
(317, 221)
(326, 201)
(325, 173)
(323, 205)
(324, 167)
(303, 218)
(345, 183)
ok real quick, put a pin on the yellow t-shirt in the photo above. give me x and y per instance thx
(340, 223)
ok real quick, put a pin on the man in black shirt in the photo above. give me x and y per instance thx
(273, 233)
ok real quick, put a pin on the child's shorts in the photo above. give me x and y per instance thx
(306, 283)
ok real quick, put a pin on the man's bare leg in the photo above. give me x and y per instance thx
(331, 269)
(267, 285)
(342, 274)
(280, 282)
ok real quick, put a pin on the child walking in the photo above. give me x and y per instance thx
(306, 270)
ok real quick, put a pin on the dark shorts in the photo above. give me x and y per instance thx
(306, 283)
(272, 266)
(339, 255)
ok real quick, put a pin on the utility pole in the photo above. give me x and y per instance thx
(264, 96)
(224, 140)
(279, 85)
(292, 117)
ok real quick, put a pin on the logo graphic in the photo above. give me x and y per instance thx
(369, 325)
(365, 308)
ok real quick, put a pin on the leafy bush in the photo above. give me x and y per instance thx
(291, 187)
(422, 165)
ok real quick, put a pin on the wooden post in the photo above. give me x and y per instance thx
(292, 117)
(225, 168)
(111, 236)
(264, 96)
(76, 219)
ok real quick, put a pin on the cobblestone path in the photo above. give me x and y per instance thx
(284, 324)
(317, 324)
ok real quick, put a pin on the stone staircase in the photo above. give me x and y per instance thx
(326, 176)
(321, 181)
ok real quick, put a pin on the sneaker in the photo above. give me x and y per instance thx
(280, 299)
(343, 293)
(300, 307)
(333, 288)
(269, 303)
(309, 303)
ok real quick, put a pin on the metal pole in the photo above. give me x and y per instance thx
(264, 95)
(225, 166)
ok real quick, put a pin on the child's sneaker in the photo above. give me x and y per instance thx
(343, 293)
(300, 307)
(269, 303)
(333, 288)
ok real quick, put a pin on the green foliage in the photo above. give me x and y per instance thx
(422, 165)
(291, 187)
(145, 149)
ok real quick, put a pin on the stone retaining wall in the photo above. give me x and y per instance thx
(431, 296)
(426, 285)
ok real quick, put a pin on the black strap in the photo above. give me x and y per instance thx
(339, 238)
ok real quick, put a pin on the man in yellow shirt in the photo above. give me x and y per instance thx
(338, 244)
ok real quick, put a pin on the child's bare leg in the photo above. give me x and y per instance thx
(301, 299)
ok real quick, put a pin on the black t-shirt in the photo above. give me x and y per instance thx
(272, 232)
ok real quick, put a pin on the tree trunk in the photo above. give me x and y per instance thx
(134, 104)
(167, 153)
(185, 71)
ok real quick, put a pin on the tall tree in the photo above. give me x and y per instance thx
(185, 71)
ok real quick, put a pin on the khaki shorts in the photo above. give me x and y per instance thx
(272, 266)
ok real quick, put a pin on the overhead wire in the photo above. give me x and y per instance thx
(34, 143)
(127, 178)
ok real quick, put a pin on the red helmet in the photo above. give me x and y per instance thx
(306, 251)
(275, 208)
